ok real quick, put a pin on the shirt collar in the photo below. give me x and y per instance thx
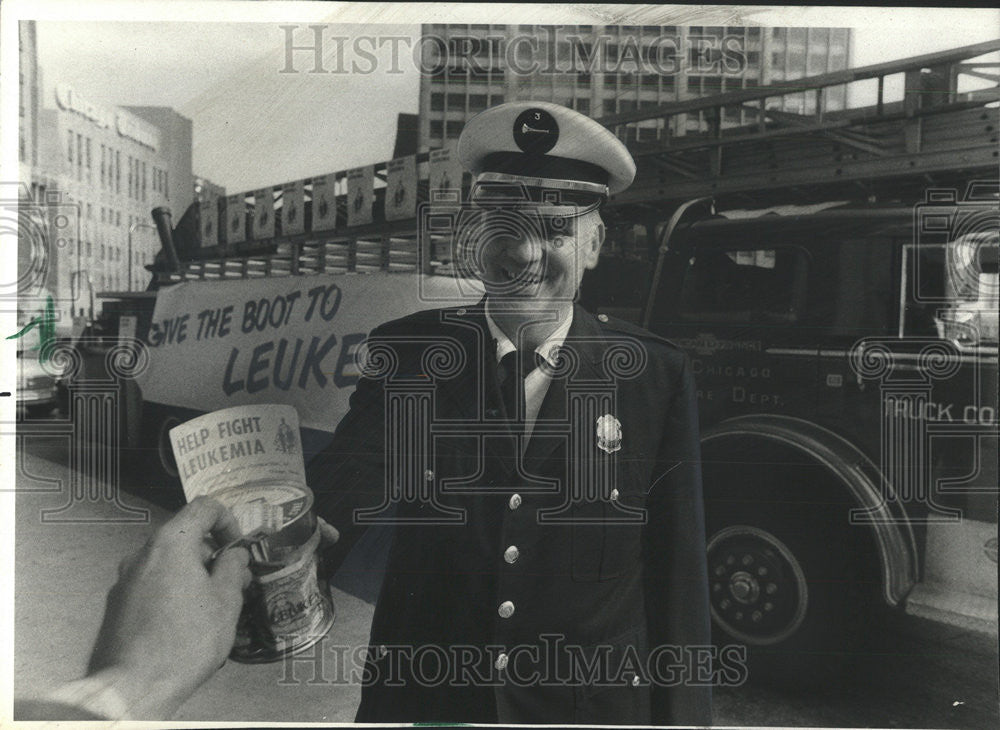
(548, 350)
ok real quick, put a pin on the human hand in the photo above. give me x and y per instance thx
(170, 621)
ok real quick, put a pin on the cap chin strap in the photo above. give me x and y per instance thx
(544, 182)
(545, 196)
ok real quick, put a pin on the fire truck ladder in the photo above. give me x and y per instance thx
(934, 133)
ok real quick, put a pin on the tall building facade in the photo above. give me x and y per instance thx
(28, 85)
(109, 167)
(605, 70)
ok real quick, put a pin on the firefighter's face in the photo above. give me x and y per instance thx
(531, 258)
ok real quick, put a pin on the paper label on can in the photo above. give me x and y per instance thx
(292, 609)
(237, 446)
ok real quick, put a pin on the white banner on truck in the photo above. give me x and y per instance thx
(324, 203)
(401, 189)
(444, 173)
(223, 343)
(360, 194)
(209, 215)
(293, 216)
(263, 217)
(236, 217)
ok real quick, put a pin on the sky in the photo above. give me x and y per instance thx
(255, 126)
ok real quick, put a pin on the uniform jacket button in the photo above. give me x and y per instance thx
(501, 662)
(429, 475)
(614, 495)
(515, 501)
(506, 609)
(511, 554)
(602, 317)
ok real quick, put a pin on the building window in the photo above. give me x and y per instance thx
(143, 178)
(477, 102)
(456, 102)
(583, 106)
(609, 107)
(166, 185)
(69, 147)
(437, 102)
(437, 129)
(118, 218)
(102, 256)
(454, 129)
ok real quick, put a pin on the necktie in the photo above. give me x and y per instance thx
(512, 382)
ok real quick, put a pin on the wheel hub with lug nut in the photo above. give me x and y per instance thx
(758, 590)
(744, 587)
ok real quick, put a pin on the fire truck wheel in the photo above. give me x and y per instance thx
(787, 581)
(156, 469)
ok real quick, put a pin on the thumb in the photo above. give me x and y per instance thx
(231, 573)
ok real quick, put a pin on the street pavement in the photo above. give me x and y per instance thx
(917, 676)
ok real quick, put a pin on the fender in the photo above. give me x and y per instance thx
(852, 469)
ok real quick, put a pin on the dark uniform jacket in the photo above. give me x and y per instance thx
(568, 588)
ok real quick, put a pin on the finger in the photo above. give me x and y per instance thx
(231, 572)
(201, 516)
(207, 550)
(327, 532)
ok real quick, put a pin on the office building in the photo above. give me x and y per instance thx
(606, 70)
(108, 167)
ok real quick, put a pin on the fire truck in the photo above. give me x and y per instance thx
(832, 276)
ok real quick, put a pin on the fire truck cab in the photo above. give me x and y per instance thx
(846, 363)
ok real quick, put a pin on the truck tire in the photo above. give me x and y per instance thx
(154, 469)
(789, 577)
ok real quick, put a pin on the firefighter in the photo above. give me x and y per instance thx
(540, 466)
